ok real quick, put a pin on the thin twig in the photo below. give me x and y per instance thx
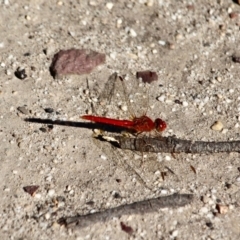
(142, 207)
(175, 145)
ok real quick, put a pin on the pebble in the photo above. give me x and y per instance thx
(49, 110)
(162, 98)
(47, 216)
(113, 55)
(75, 61)
(206, 199)
(132, 33)
(161, 42)
(20, 73)
(119, 22)
(236, 59)
(109, 5)
(225, 130)
(71, 192)
(103, 157)
(154, 51)
(238, 179)
(55, 225)
(31, 189)
(48, 178)
(50, 49)
(217, 126)
(23, 110)
(222, 209)
(203, 210)
(124, 108)
(167, 158)
(174, 233)
(6, 2)
(164, 191)
(8, 72)
(51, 192)
(147, 76)
(38, 195)
(6, 189)
(93, 3)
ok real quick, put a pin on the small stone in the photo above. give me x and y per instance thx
(49, 110)
(233, 15)
(113, 55)
(51, 192)
(23, 110)
(42, 129)
(93, 3)
(147, 76)
(217, 126)
(174, 233)
(27, 17)
(209, 224)
(109, 5)
(47, 216)
(150, 3)
(225, 130)
(164, 192)
(8, 72)
(38, 195)
(20, 73)
(206, 199)
(119, 22)
(204, 210)
(75, 61)
(161, 42)
(71, 192)
(222, 209)
(154, 51)
(168, 158)
(50, 49)
(103, 157)
(55, 225)
(236, 59)
(171, 46)
(126, 228)
(31, 189)
(161, 98)
(132, 33)
(124, 108)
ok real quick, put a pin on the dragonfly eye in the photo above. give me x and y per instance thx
(160, 125)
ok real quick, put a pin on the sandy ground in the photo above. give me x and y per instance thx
(190, 45)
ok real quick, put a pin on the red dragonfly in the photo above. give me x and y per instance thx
(137, 124)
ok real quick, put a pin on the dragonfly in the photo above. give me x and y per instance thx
(136, 124)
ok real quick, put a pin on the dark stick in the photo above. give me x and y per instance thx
(142, 207)
(175, 145)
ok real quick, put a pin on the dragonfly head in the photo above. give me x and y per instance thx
(160, 125)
